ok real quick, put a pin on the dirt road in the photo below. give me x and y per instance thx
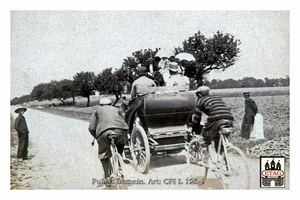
(62, 158)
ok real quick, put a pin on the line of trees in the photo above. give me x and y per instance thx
(83, 84)
(248, 82)
(216, 53)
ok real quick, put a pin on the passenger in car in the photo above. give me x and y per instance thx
(139, 88)
(176, 79)
(143, 81)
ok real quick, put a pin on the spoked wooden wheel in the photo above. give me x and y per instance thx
(231, 168)
(118, 172)
(194, 152)
(140, 149)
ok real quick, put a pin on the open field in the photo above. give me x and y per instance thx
(262, 91)
(230, 92)
(273, 104)
(274, 109)
(276, 118)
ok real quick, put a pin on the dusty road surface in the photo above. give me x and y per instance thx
(61, 157)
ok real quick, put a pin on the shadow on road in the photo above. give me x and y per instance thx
(166, 160)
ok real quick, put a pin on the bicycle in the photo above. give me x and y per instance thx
(228, 163)
(117, 166)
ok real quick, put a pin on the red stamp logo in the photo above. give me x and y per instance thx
(272, 171)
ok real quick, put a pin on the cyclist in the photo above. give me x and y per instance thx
(105, 123)
(218, 114)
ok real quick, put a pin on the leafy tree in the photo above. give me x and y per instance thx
(67, 90)
(22, 99)
(52, 90)
(84, 84)
(259, 83)
(38, 92)
(108, 82)
(284, 81)
(46, 91)
(287, 82)
(228, 83)
(15, 101)
(216, 53)
(277, 82)
(55, 89)
(144, 57)
(248, 82)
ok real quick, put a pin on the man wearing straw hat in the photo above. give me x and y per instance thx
(175, 78)
(22, 129)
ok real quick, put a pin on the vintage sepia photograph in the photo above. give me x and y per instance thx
(150, 99)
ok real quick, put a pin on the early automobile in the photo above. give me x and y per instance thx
(158, 123)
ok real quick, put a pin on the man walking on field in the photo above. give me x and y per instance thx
(248, 120)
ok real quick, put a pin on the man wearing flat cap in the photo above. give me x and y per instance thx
(22, 129)
(218, 113)
(248, 120)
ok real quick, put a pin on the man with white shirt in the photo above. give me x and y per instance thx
(175, 78)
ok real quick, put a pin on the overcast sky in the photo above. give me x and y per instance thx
(55, 45)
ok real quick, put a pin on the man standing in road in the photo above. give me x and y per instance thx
(248, 120)
(105, 122)
(22, 129)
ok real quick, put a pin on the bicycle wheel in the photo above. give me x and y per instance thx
(194, 151)
(238, 176)
(118, 171)
(140, 149)
(231, 168)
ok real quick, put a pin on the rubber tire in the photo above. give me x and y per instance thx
(239, 177)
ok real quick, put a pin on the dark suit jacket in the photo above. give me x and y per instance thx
(104, 118)
(20, 124)
(250, 107)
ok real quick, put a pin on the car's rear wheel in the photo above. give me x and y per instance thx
(140, 150)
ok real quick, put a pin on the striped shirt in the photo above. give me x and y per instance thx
(214, 107)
